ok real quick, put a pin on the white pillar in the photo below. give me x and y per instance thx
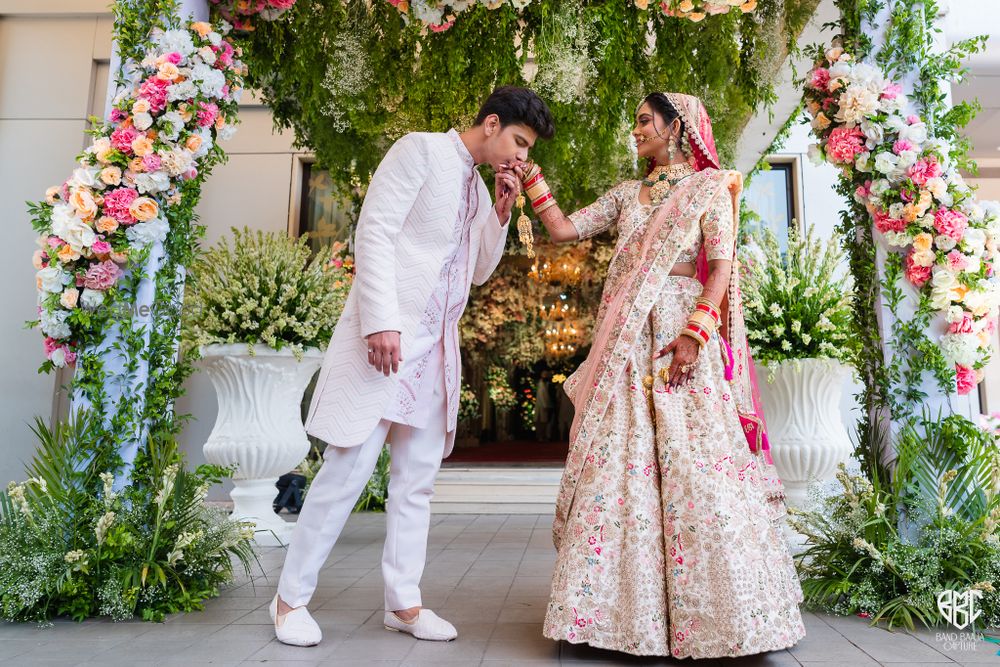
(118, 386)
(936, 401)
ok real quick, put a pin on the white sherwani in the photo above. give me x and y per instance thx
(406, 233)
(427, 227)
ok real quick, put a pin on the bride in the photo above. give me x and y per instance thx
(668, 522)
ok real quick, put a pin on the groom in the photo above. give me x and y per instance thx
(392, 372)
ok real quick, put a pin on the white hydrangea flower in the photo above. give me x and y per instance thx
(142, 234)
(91, 299)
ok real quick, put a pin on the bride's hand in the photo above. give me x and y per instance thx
(685, 350)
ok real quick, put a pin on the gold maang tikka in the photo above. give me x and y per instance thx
(524, 231)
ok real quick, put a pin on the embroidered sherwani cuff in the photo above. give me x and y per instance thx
(491, 247)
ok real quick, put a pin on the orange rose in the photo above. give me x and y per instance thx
(111, 175)
(910, 213)
(202, 28)
(135, 165)
(119, 257)
(141, 106)
(69, 297)
(167, 72)
(143, 209)
(686, 6)
(141, 146)
(748, 6)
(83, 202)
(696, 16)
(106, 224)
(922, 242)
(67, 254)
(193, 142)
(642, 4)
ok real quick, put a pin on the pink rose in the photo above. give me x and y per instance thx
(207, 113)
(864, 191)
(965, 378)
(51, 345)
(918, 275)
(123, 137)
(101, 247)
(844, 143)
(117, 202)
(173, 57)
(102, 276)
(117, 115)
(281, 4)
(442, 27)
(891, 91)
(151, 162)
(884, 223)
(957, 261)
(226, 57)
(902, 145)
(820, 79)
(923, 170)
(827, 103)
(951, 223)
(70, 356)
(54, 241)
(964, 326)
(912, 119)
(154, 90)
(906, 195)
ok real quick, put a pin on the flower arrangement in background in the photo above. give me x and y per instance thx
(440, 15)
(697, 10)
(266, 290)
(528, 409)
(468, 404)
(796, 305)
(920, 204)
(241, 13)
(71, 544)
(177, 102)
(499, 389)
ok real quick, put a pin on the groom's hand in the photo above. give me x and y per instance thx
(507, 187)
(384, 351)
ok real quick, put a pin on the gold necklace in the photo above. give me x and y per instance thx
(662, 179)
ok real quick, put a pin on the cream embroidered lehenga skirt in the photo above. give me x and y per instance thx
(673, 542)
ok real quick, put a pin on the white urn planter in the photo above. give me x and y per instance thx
(259, 426)
(801, 400)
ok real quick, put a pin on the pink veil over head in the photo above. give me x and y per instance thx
(698, 133)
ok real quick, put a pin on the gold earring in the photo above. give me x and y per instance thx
(671, 149)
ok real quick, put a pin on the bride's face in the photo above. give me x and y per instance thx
(651, 133)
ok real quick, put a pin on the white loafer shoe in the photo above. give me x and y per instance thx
(296, 628)
(427, 625)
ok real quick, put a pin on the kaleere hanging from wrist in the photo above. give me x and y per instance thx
(524, 231)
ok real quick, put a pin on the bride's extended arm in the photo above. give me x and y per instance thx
(560, 228)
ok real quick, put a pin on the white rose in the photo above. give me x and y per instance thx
(896, 210)
(152, 182)
(974, 241)
(862, 162)
(955, 314)
(873, 131)
(977, 302)
(879, 187)
(53, 279)
(898, 239)
(72, 230)
(142, 121)
(58, 357)
(944, 243)
(207, 54)
(145, 233)
(895, 123)
(926, 221)
(214, 38)
(91, 299)
(975, 212)
(84, 176)
(840, 69)
(886, 162)
(923, 258)
(916, 133)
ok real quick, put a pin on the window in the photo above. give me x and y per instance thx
(771, 195)
(323, 212)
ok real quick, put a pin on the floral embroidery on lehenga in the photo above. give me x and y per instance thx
(669, 528)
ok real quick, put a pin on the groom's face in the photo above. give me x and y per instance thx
(507, 146)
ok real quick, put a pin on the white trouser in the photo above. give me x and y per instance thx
(416, 458)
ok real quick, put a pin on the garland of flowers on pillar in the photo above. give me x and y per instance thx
(905, 179)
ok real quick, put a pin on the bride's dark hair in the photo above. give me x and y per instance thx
(662, 106)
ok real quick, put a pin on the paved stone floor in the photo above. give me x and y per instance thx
(487, 574)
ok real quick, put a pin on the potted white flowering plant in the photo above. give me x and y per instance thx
(799, 325)
(260, 312)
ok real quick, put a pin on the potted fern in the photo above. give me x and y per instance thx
(799, 325)
(259, 313)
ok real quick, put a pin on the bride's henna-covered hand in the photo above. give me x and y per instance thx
(686, 351)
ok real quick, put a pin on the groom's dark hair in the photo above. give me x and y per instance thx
(518, 106)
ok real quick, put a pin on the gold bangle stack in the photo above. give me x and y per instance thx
(537, 189)
(703, 321)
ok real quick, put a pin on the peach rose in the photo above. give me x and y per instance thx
(910, 213)
(37, 261)
(135, 165)
(167, 72)
(202, 28)
(696, 16)
(141, 106)
(686, 5)
(748, 6)
(141, 145)
(50, 194)
(642, 4)
(67, 254)
(193, 142)
(922, 242)
(111, 175)
(83, 202)
(924, 258)
(143, 209)
(106, 224)
(185, 111)
(69, 297)
(119, 257)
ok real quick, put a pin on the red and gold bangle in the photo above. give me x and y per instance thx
(705, 306)
(693, 330)
(545, 200)
(704, 320)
